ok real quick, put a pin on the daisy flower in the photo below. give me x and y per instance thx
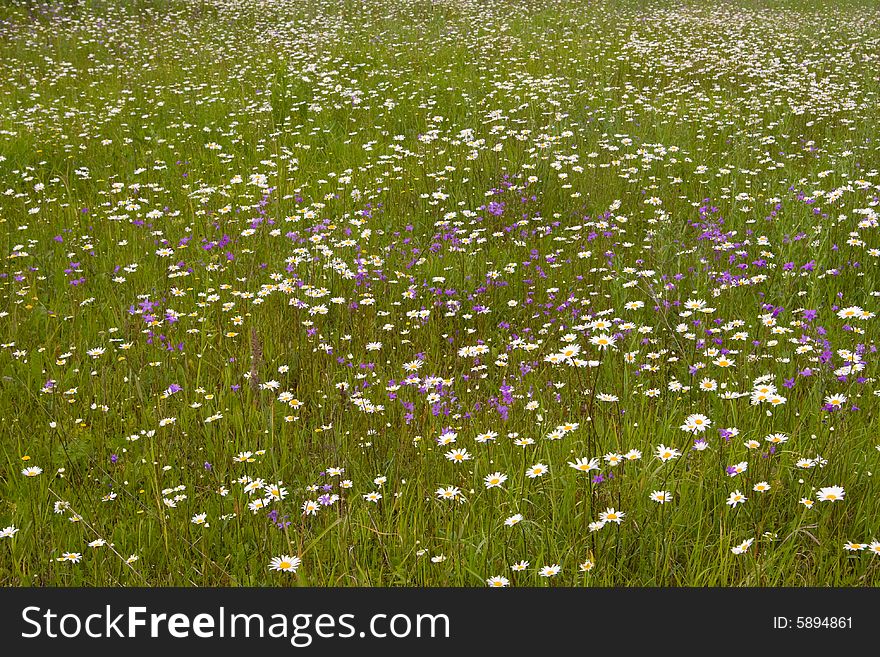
(736, 498)
(458, 455)
(285, 563)
(449, 493)
(494, 480)
(661, 496)
(537, 470)
(835, 401)
(665, 453)
(830, 494)
(550, 571)
(584, 464)
(587, 566)
(696, 423)
(603, 341)
(610, 515)
(515, 519)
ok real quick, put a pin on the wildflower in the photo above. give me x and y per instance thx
(708, 385)
(458, 455)
(8, 532)
(585, 464)
(665, 453)
(253, 486)
(696, 423)
(498, 581)
(537, 470)
(275, 491)
(285, 563)
(550, 571)
(515, 519)
(602, 341)
(830, 494)
(835, 401)
(850, 313)
(610, 515)
(613, 459)
(735, 498)
(449, 493)
(661, 496)
(447, 438)
(494, 480)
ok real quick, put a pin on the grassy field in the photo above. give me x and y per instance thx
(463, 292)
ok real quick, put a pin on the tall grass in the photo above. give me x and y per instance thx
(276, 228)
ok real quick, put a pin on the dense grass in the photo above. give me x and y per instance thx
(334, 234)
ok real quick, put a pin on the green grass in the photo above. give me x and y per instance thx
(382, 158)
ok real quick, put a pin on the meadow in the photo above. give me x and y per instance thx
(450, 293)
